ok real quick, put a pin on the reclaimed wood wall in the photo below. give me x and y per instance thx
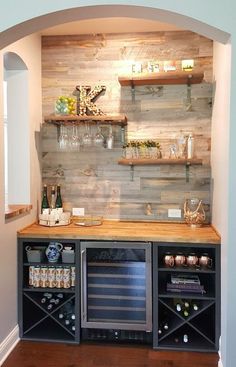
(91, 178)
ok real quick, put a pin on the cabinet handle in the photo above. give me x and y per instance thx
(83, 286)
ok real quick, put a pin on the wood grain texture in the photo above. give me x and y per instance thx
(34, 354)
(128, 231)
(92, 178)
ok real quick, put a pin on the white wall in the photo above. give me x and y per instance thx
(29, 49)
(215, 13)
(219, 163)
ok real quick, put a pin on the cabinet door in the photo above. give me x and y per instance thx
(48, 292)
(186, 297)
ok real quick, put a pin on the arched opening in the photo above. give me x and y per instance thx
(16, 130)
(103, 11)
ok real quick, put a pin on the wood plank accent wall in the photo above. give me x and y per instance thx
(92, 178)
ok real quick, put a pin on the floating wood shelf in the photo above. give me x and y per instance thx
(160, 161)
(76, 119)
(170, 77)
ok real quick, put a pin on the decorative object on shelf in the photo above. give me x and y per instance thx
(52, 277)
(192, 259)
(86, 106)
(142, 149)
(169, 260)
(65, 106)
(33, 255)
(169, 65)
(153, 67)
(68, 255)
(53, 251)
(187, 65)
(190, 146)
(181, 146)
(205, 261)
(137, 67)
(194, 213)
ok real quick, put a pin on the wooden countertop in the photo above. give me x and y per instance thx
(119, 230)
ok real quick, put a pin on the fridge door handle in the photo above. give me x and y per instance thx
(83, 288)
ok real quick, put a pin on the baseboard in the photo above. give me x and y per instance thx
(8, 344)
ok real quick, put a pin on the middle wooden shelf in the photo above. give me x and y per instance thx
(159, 161)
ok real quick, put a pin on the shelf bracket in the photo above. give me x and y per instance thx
(132, 91)
(122, 135)
(131, 172)
(189, 92)
(187, 174)
(58, 132)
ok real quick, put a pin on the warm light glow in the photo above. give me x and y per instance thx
(187, 65)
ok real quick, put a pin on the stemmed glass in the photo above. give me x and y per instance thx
(110, 138)
(74, 138)
(87, 137)
(99, 138)
(63, 138)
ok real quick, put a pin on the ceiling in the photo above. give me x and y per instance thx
(108, 25)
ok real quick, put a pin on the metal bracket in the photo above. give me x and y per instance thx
(187, 173)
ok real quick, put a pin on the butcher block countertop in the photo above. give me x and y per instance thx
(126, 231)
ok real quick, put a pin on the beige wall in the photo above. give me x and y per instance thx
(29, 49)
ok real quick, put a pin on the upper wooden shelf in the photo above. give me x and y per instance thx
(77, 119)
(178, 161)
(170, 77)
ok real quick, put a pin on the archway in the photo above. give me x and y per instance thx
(102, 11)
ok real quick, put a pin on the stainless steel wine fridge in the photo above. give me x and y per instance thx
(116, 290)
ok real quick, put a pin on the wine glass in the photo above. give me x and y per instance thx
(99, 138)
(74, 139)
(110, 138)
(87, 137)
(63, 138)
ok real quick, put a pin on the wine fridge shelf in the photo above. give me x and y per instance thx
(186, 328)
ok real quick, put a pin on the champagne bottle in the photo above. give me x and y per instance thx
(58, 203)
(53, 198)
(45, 203)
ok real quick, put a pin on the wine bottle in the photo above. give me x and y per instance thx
(185, 338)
(45, 203)
(178, 303)
(53, 198)
(58, 203)
(195, 306)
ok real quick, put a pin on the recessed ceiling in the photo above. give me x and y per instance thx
(108, 25)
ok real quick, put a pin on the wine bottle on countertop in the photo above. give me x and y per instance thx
(45, 203)
(58, 203)
(53, 198)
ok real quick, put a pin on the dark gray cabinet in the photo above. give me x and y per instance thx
(48, 310)
(186, 298)
(123, 291)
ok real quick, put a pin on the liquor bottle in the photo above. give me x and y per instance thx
(45, 203)
(53, 198)
(58, 203)
(190, 144)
